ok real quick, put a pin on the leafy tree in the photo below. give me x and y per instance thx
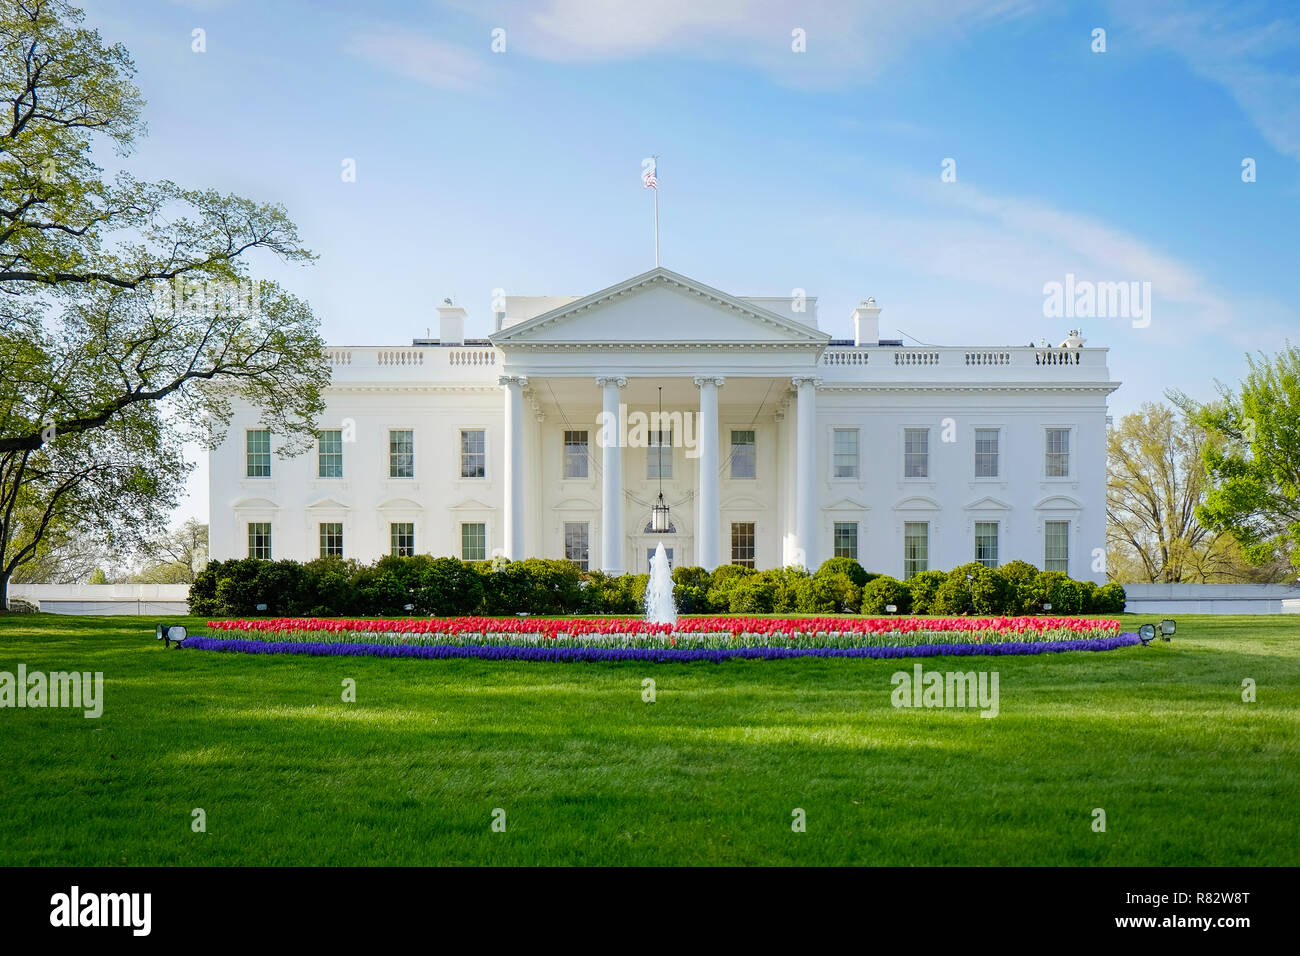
(1154, 501)
(175, 556)
(1254, 466)
(123, 327)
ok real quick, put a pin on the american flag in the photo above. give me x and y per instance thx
(649, 178)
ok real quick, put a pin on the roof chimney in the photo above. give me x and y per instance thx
(866, 323)
(451, 324)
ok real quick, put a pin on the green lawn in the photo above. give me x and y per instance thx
(288, 773)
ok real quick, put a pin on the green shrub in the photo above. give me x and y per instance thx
(1109, 599)
(691, 589)
(923, 587)
(846, 566)
(724, 578)
(752, 594)
(1055, 588)
(792, 589)
(835, 593)
(883, 591)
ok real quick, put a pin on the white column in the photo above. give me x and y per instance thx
(514, 465)
(805, 478)
(708, 518)
(611, 484)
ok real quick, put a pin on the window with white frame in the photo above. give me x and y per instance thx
(1058, 453)
(986, 452)
(331, 539)
(258, 448)
(401, 536)
(329, 453)
(744, 459)
(986, 543)
(473, 541)
(259, 540)
(659, 460)
(473, 453)
(742, 543)
(846, 539)
(650, 554)
(916, 547)
(845, 463)
(1056, 546)
(401, 453)
(916, 453)
(575, 454)
(575, 543)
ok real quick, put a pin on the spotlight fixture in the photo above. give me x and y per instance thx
(1047, 605)
(891, 608)
(410, 607)
(261, 607)
(1165, 630)
(170, 634)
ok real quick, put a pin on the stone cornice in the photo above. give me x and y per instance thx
(1106, 387)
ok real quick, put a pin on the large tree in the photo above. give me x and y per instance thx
(1254, 467)
(1156, 485)
(129, 319)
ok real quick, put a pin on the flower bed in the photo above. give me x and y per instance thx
(696, 638)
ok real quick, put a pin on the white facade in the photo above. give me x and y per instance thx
(728, 367)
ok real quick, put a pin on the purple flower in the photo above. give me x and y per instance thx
(663, 654)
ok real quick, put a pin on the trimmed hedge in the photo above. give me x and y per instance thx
(423, 585)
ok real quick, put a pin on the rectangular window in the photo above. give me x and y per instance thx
(575, 542)
(1058, 453)
(402, 536)
(744, 460)
(916, 453)
(331, 539)
(473, 453)
(329, 453)
(916, 547)
(650, 553)
(846, 453)
(742, 543)
(846, 539)
(986, 543)
(473, 541)
(659, 461)
(259, 540)
(259, 452)
(986, 453)
(401, 453)
(575, 454)
(1057, 546)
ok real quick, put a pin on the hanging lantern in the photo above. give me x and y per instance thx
(659, 522)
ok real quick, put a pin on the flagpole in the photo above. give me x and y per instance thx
(656, 212)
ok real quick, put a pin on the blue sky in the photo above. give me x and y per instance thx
(779, 170)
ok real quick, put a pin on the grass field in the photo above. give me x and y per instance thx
(587, 773)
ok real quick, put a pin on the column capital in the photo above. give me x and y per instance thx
(799, 381)
(619, 380)
(519, 380)
(715, 380)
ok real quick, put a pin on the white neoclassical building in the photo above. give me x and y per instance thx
(777, 445)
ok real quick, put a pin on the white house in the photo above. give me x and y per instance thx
(777, 445)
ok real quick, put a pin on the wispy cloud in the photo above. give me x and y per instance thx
(844, 38)
(1254, 54)
(422, 58)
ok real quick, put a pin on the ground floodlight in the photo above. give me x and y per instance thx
(1047, 605)
(1147, 633)
(410, 607)
(891, 608)
(170, 634)
(261, 607)
(1167, 628)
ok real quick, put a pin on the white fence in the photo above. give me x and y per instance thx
(105, 598)
(1212, 599)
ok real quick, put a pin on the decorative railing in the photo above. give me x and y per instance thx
(988, 358)
(471, 356)
(916, 357)
(1057, 357)
(401, 357)
(845, 357)
(338, 356)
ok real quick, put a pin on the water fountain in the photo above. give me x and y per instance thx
(659, 605)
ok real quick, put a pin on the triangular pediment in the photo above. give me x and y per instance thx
(660, 307)
(988, 503)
